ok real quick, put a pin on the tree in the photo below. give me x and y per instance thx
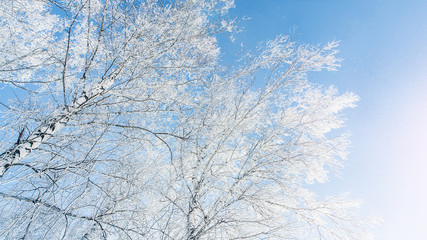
(119, 122)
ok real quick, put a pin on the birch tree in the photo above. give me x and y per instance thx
(117, 121)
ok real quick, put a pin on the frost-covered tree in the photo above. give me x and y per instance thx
(118, 122)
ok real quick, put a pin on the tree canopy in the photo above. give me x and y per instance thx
(118, 121)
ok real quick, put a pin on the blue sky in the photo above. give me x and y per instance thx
(384, 47)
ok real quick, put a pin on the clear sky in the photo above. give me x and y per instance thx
(384, 47)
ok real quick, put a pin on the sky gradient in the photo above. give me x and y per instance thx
(384, 52)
